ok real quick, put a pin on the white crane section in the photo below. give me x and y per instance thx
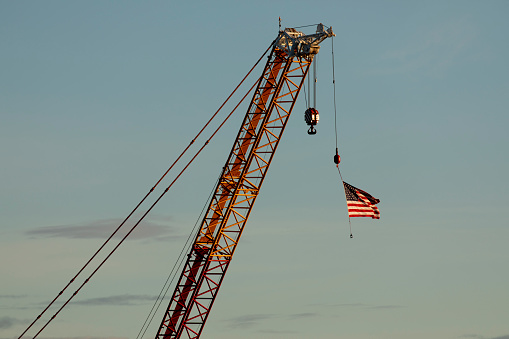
(296, 44)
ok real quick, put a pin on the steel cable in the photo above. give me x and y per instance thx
(334, 86)
(179, 261)
(146, 213)
(144, 198)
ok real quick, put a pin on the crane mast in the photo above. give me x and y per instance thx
(240, 182)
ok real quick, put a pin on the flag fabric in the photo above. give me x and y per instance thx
(360, 203)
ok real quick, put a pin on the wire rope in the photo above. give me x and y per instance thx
(315, 80)
(334, 86)
(349, 219)
(309, 89)
(144, 198)
(175, 268)
(336, 130)
(311, 26)
(305, 95)
(145, 214)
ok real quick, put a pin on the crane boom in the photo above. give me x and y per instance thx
(240, 182)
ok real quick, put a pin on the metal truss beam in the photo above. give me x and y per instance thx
(235, 194)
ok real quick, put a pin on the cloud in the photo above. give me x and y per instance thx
(248, 321)
(350, 305)
(385, 307)
(12, 296)
(277, 331)
(252, 320)
(117, 300)
(477, 336)
(154, 229)
(298, 316)
(367, 307)
(7, 322)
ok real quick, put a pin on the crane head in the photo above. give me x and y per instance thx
(296, 44)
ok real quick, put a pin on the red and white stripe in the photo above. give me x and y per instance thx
(363, 208)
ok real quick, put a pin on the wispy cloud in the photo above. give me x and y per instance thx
(12, 296)
(252, 320)
(350, 305)
(249, 320)
(299, 316)
(276, 331)
(113, 300)
(8, 322)
(14, 299)
(433, 50)
(154, 229)
(477, 336)
(385, 307)
(366, 306)
(117, 300)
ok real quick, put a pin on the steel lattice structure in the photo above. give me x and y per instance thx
(239, 184)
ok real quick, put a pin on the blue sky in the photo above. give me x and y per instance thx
(98, 98)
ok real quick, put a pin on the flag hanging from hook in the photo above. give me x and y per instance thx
(360, 203)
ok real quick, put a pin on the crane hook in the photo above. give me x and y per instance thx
(311, 117)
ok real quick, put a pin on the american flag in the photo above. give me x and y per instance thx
(360, 203)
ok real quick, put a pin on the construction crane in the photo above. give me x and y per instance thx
(243, 174)
(291, 55)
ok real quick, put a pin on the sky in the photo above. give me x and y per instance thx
(98, 98)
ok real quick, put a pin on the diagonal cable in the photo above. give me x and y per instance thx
(146, 196)
(147, 212)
